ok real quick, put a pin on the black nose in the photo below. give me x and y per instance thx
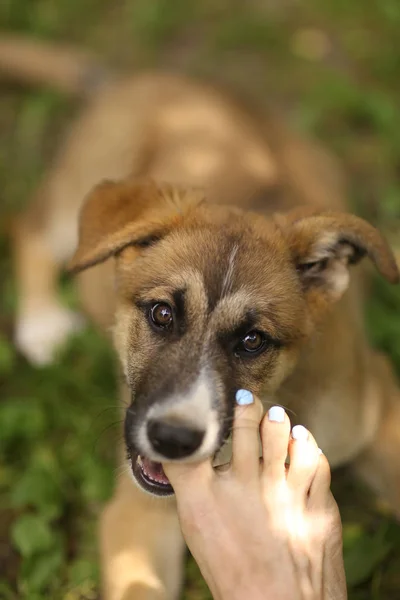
(173, 441)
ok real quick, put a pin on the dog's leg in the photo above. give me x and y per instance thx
(43, 323)
(141, 543)
(141, 546)
(379, 463)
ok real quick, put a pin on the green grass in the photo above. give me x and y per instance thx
(59, 425)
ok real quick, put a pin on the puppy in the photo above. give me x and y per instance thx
(216, 247)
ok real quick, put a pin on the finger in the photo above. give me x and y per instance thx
(275, 435)
(245, 435)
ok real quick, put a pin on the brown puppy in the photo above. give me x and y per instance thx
(204, 296)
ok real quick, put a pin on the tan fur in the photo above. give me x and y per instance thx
(162, 128)
(69, 70)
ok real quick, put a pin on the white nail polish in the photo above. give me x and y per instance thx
(300, 433)
(276, 414)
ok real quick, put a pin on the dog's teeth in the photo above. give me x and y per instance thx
(139, 461)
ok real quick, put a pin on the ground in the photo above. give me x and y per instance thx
(333, 66)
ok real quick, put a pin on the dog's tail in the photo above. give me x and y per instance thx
(66, 69)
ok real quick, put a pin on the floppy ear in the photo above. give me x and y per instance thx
(118, 214)
(324, 245)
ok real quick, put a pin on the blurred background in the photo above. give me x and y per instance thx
(333, 66)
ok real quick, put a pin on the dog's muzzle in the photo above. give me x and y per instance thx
(173, 442)
(184, 427)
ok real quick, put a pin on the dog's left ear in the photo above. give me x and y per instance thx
(324, 245)
(117, 214)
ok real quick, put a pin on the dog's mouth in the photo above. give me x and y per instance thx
(150, 476)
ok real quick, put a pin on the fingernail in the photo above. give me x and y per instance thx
(277, 414)
(320, 451)
(244, 397)
(300, 433)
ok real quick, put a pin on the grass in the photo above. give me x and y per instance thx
(334, 66)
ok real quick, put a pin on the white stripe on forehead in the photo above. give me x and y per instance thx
(230, 302)
(228, 279)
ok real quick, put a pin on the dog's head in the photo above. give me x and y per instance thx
(210, 300)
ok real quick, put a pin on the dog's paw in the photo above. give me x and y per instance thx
(39, 334)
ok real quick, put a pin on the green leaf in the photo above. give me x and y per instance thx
(363, 552)
(83, 576)
(31, 534)
(40, 571)
(38, 488)
(21, 419)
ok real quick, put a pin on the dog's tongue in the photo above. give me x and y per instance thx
(153, 470)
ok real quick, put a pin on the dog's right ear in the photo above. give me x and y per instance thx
(119, 214)
(324, 245)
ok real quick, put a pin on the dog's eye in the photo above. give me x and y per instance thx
(161, 315)
(252, 343)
